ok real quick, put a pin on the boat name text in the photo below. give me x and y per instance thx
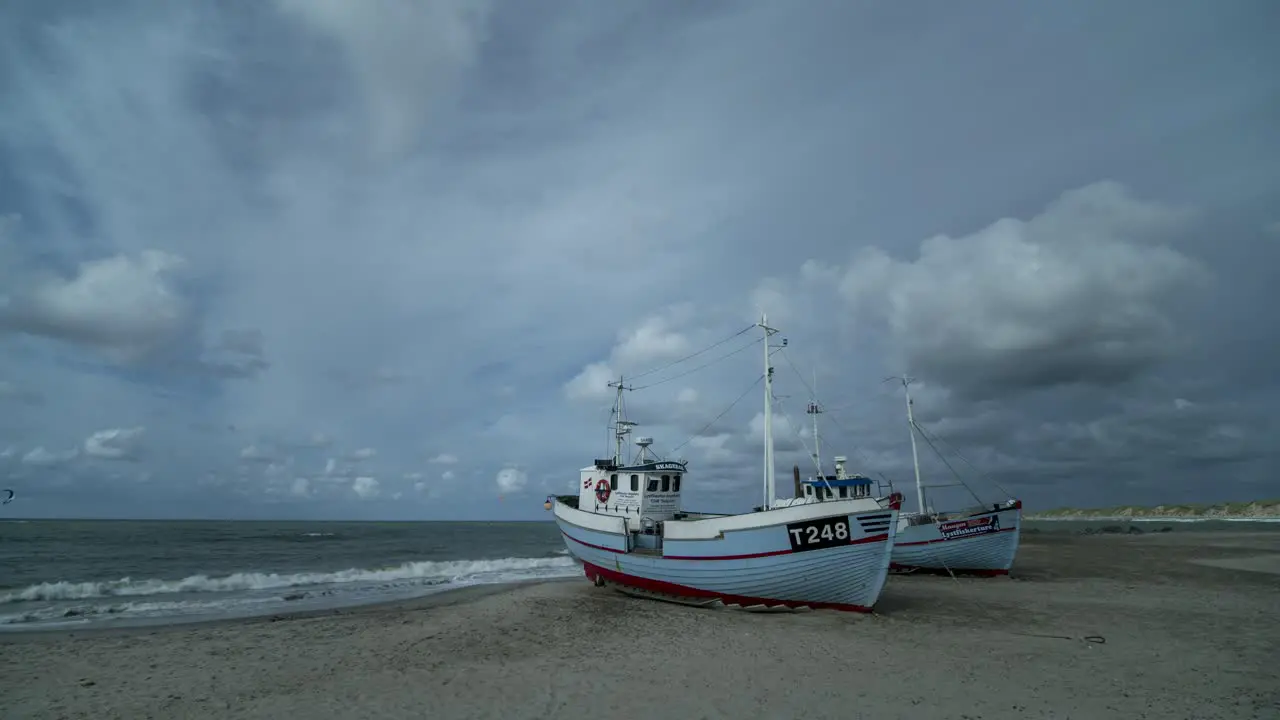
(972, 526)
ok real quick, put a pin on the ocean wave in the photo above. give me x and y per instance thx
(458, 571)
(79, 614)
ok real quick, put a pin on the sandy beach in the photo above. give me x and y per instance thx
(1189, 620)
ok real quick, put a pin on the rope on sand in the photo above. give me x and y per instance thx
(1092, 639)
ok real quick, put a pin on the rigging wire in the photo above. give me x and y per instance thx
(813, 394)
(818, 472)
(722, 414)
(690, 356)
(934, 448)
(796, 428)
(925, 434)
(617, 411)
(726, 356)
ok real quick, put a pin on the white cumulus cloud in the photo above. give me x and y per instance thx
(115, 443)
(365, 487)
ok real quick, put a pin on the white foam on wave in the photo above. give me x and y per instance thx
(447, 571)
(84, 613)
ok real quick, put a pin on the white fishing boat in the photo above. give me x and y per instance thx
(978, 540)
(628, 526)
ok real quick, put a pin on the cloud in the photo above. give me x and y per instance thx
(1075, 294)
(366, 487)
(115, 444)
(125, 306)
(39, 456)
(275, 234)
(643, 347)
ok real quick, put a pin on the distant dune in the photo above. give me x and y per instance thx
(1254, 509)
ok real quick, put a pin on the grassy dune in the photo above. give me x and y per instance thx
(1255, 508)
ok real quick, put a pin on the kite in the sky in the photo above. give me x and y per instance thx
(8, 496)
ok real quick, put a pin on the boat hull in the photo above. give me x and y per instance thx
(981, 544)
(751, 567)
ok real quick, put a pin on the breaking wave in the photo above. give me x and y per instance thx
(420, 573)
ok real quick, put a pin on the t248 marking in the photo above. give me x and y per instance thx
(818, 534)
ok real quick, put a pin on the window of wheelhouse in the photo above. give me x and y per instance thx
(666, 483)
(844, 491)
(675, 483)
(613, 481)
(652, 484)
(635, 483)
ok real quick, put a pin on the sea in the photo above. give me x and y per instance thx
(59, 574)
(94, 573)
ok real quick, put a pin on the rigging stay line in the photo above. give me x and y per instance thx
(690, 356)
(690, 371)
(722, 414)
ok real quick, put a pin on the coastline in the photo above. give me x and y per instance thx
(1152, 518)
(1187, 629)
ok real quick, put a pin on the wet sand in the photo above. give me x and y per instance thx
(1189, 619)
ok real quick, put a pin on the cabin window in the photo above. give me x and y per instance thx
(808, 490)
(613, 482)
(675, 483)
(653, 484)
(830, 494)
(666, 483)
(635, 483)
(844, 491)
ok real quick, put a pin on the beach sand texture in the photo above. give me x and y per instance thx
(1190, 633)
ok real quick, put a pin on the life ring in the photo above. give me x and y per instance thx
(602, 491)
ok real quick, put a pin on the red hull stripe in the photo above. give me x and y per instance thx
(666, 588)
(954, 539)
(860, 541)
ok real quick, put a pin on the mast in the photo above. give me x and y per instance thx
(769, 494)
(621, 427)
(915, 458)
(814, 409)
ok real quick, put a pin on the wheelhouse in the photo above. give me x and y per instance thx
(841, 486)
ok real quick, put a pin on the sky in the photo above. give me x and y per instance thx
(379, 260)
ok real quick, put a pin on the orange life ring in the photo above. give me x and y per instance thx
(602, 491)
